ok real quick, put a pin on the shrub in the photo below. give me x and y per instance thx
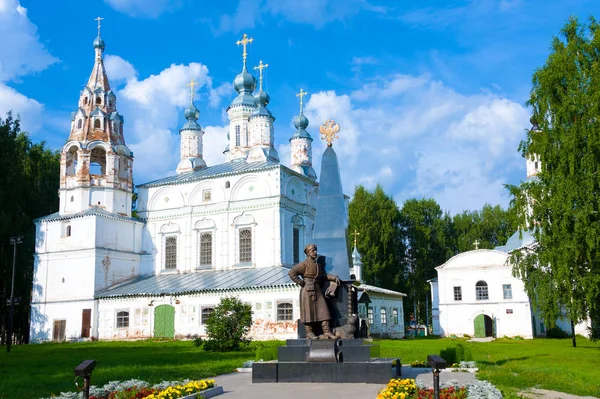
(228, 326)
(197, 342)
(556, 332)
(456, 354)
(266, 353)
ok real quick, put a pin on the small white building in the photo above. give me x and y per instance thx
(476, 293)
(206, 232)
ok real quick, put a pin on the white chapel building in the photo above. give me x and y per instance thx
(476, 293)
(208, 231)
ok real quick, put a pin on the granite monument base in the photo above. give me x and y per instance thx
(331, 361)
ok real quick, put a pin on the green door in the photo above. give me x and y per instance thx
(479, 324)
(164, 321)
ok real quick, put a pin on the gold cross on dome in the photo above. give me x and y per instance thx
(476, 244)
(301, 95)
(260, 68)
(245, 41)
(329, 131)
(98, 19)
(192, 84)
(356, 234)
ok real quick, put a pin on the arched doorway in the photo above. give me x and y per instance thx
(164, 321)
(484, 326)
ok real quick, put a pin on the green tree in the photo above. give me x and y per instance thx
(426, 229)
(29, 180)
(376, 217)
(562, 205)
(491, 226)
(228, 326)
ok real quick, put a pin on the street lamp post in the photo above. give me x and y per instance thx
(13, 241)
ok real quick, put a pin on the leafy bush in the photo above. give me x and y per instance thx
(197, 342)
(556, 332)
(228, 326)
(266, 353)
(456, 354)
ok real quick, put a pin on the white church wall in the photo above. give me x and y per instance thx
(114, 267)
(65, 235)
(47, 314)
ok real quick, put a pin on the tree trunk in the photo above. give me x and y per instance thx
(573, 333)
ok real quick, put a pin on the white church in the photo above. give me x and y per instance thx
(208, 231)
(476, 294)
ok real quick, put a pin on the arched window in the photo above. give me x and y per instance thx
(98, 161)
(395, 316)
(227, 184)
(171, 253)
(481, 291)
(285, 311)
(383, 316)
(68, 232)
(205, 314)
(205, 249)
(79, 124)
(96, 123)
(245, 245)
(71, 161)
(98, 100)
(85, 101)
(122, 319)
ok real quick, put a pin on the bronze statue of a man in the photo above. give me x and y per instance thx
(313, 306)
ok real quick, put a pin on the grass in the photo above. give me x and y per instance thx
(513, 365)
(35, 371)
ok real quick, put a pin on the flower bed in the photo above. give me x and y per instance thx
(137, 389)
(410, 389)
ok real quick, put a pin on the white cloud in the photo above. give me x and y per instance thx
(144, 8)
(21, 52)
(118, 69)
(419, 138)
(153, 109)
(249, 13)
(29, 110)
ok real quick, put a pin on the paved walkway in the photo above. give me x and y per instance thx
(239, 385)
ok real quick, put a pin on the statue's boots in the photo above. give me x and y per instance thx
(309, 332)
(326, 326)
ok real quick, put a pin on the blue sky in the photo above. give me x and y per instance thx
(430, 94)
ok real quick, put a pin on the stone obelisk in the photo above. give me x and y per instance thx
(331, 224)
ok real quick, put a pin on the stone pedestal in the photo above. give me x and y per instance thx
(351, 360)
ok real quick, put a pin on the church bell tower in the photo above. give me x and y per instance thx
(96, 165)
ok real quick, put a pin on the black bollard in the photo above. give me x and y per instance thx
(437, 364)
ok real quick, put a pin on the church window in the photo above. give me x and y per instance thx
(285, 311)
(370, 315)
(71, 161)
(535, 166)
(237, 136)
(458, 293)
(296, 243)
(85, 101)
(481, 291)
(206, 249)
(383, 316)
(206, 195)
(227, 184)
(59, 331)
(98, 161)
(395, 316)
(72, 198)
(507, 290)
(96, 123)
(98, 100)
(79, 123)
(122, 319)
(205, 314)
(247, 137)
(68, 231)
(245, 245)
(171, 253)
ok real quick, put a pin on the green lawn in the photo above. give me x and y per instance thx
(34, 371)
(512, 365)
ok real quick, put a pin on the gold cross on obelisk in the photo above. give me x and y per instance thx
(192, 84)
(244, 42)
(98, 19)
(301, 95)
(260, 68)
(356, 234)
(476, 244)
